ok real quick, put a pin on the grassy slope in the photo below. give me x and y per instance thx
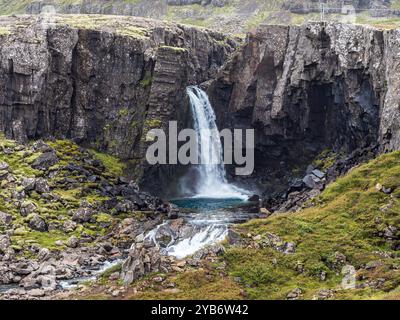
(347, 218)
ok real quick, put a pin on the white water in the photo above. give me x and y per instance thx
(206, 236)
(212, 181)
(209, 226)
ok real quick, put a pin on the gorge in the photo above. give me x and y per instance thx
(78, 94)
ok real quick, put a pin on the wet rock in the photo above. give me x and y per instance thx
(313, 182)
(254, 198)
(38, 223)
(45, 161)
(318, 173)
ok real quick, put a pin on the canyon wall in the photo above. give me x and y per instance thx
(310, 88)
(102, 87)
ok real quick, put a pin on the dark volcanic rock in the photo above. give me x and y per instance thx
(102, 88)
(38, 223)
(82, 215)
(45, 161)
(305, 89)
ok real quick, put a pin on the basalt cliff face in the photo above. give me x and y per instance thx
(309, 88)
(102, 83)
(105, 82)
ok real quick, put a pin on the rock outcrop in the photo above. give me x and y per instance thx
(309, 88)
(102, 82)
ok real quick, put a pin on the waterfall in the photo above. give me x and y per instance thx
(209, 191)
(212, 181)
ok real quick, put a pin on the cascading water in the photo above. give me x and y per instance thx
(212, 196)
(212, 181)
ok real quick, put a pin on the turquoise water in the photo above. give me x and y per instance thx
(208, 204)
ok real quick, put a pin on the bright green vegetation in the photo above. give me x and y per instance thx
(113, 165)
(66, 197)
(153, 123)
(177, 49)
(349, 218)
(132, 31)
(147, 81)
(4, 31)
(13, 6)
(325, 159)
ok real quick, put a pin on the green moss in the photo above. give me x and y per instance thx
(153, 123)
(325, 159)
(113, 165)
(344, 221)
(147, 81)
(176, 49)
(132, 31)
(124, 112)
(4, 31)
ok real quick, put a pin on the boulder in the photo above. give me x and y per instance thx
(142, 261)
(5, 218)
(69, 226)
(5, 243)
(28, 183)
(4, 166)
(83, 215)
(72, 242)
(41, 186)
(45, 161)
(295, 294)
(27, 208)
(38, 223)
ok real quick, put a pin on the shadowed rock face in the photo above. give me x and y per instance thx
(309, 88)
(104, 89)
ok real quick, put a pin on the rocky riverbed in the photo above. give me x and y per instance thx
(64, 215)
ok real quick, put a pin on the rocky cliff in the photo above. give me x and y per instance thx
(102, 82)
(310, 88)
